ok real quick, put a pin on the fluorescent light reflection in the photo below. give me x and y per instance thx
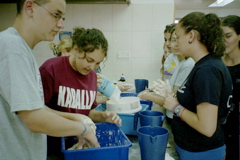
(220, 3)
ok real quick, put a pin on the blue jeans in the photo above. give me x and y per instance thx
(213, 154)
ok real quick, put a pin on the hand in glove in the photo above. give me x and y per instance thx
(162, 88)
(124, 86)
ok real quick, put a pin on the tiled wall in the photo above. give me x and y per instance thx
(135, 30)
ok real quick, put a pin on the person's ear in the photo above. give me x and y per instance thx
(192, 36)
(28, 7)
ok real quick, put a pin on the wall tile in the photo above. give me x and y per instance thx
(122, 17)
(82, 15)
(141, 44)
(141, 68)
(162, 15)
(69, 21)
(121, 42)
(157, 44)
(102, 17)
(109, 37)
(118, 67)
(142, 17)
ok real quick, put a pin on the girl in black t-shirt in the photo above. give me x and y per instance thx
(201, 103)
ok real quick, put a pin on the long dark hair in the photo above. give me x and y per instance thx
(233, 22)
(209, 29)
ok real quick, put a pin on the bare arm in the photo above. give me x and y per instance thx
(106, 116)
(43, 121)
(204, 121)
(71, 116)
(47, 122)
(151, 96)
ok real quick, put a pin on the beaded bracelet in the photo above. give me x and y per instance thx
(174, 107)
(85, 128)
(182, 114)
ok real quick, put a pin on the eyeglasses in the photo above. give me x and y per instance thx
(56, 16)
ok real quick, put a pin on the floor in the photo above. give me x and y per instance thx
(134, 151)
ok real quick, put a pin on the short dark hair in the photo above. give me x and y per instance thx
(88, 40)
(21, 2)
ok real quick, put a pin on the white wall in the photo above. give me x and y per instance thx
(136, 29)
(219, 11)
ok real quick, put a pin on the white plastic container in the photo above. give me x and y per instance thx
(125, 105)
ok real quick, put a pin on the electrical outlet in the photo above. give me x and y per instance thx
(123, 54)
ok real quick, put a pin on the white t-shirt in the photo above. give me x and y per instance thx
(169, 66)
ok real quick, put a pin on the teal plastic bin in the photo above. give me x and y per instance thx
(114, 145)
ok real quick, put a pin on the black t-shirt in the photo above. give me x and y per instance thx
(235, 74)
(209, 81)
(232, 125)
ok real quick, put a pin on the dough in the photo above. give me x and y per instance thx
(84, 143)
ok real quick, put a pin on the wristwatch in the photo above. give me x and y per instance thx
(178, 110)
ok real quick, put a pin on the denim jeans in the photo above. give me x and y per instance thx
(213, 154)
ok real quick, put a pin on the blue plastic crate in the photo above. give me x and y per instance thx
(114, 145)
(128, 94)
(132, 94)
(127, 119)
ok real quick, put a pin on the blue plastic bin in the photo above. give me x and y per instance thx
(132, 94)
(114, 145)
(127, 119)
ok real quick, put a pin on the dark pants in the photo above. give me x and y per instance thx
(54, 148)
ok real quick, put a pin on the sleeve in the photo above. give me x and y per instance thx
(48, 84)
(170, 64)
(183, 73)
(20, 83)
(207, 85)
(95, 104)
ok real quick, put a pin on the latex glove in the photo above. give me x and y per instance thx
(143, 92)
(169, 102)
(83, 118)
(147, 95)
(112, 117)
(82, 144)
(83, 141)
(88, 121)
(88, 138)
(162, 88)
(124, 86)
